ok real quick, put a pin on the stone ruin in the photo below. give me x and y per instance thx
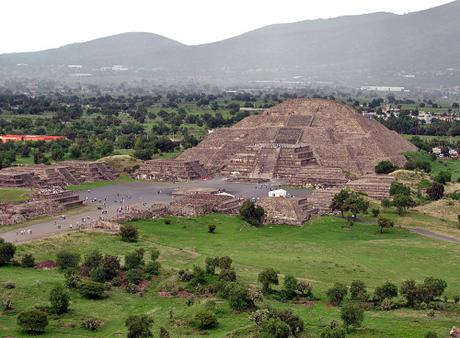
(59, 174)
(305, 141)
(170, 170)
(203, 203)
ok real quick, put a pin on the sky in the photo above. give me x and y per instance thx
(29, 25)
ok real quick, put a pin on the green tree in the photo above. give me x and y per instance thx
(91, 290)
(398, 188)
(134, 259)
(290, 286)
(28, 261)
(443, 177)
(129, 233)
(252, 214)
(403, 202)
(67, 259)
(266, 278)
(339, 199)
(385, 167)
(33, 321)
(206, 319)
(274, 328)
(435, 191)
(384, 223)
(139, 326)
(60, 300)
(7, 251)
(352, 314)
(337, 294)
(358, 291)
(387, 290)
(356, 203)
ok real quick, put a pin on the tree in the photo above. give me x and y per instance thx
(403, 202)
(206, 319)
(387, 290)
(410, 290)
(398, 188)
(211, 228)
(7, 251)
(27, 261)
(352, 314)
(134, 259)
(139, 326)
(93, 260)
(91, 290)
(66, 259)
(267, 277)
(33, 321)
(337, 294)
(355, 203)
(358, 291)
(238, 298)
(129, 233)
(385, 167)
(290, 286)
(305, 288)
(274, 328)
(59, 299)
(252, 214)
(339, 199)
(435, 191)
(435, 287)
(443, 177)
(384, 223)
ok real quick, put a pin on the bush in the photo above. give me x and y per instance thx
(228, 275)
(7, 251)
(387, 304)
(72, 279)
(252, 214)
(33, 321)
(164, 333)
(91, 324)
(66, 259)
(134, 276)
(305, 288)
(267, 277)
(225, 262)
(210, 264)
(206, 319)
(431, 334)
(352, 314)
(375, 212)
(93, 260)
(91, 290)
(443, 177)
(296, 325)
(274, 328)
(154, 254)
(385, 167)
(153, 268)
(290, 286)
(198, 276)
(111, 267)
(211, 229)
(386, 203)
(28, 261)
(135, 259)
(59, 299)
(129, 233)
(398, 188)
(337, 294)
(436, 191)
(387, 290)
(384, 223)
(358, 291)
(435, 287)
(238, 297)
(97, 274)
(336, 332)
(139, 326)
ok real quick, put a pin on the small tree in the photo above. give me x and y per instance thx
(274, 328)
(398, 188)
(59, 299)
(27, 261)
(211, 263)
(33, 321)
(435, 287)
(91, 290)
(337, 294)
(305, 288)
(7, 251)
(443, 177)
(129, 233)
(435, 191)
(410, 290)
(252, 214)
(139, 326)
(384, 223)
(66, 259)
(225, 262)
(239, 298)
(206, 319)
(403, 202)
(290, 286)
(267, 277)
(387, 290)
(358, 291)
(352, 314)
(355, 203)
(211, 228)
(385, 167)
(339, 199)
(375, 212)
(134, 259)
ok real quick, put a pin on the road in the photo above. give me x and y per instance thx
(434, 235)
(139, 195)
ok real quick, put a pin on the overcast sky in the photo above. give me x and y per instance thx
(28, 25)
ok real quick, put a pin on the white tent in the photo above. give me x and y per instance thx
(225, 194)
(277, 193)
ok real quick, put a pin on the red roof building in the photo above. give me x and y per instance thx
(18, 138)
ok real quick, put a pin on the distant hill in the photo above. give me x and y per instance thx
(416, 49)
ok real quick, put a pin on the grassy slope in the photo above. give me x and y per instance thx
(439, 165)
(322, 252)
(14, 195)
(124, 178)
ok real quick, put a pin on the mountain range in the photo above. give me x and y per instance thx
(418, 49)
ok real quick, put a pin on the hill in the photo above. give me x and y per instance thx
(416, 49)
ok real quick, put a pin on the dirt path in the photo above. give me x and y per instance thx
(434, 235)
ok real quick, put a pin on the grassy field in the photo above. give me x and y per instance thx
(14, 195)
(322, 252)
(124, 178)
(452, 165)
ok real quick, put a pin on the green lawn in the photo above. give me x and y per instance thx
(123, 178)
(452, 165)
(322, 252)
(14, 195)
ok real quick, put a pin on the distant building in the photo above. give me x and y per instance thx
(18, 138)
(277, 193)
(382, 89)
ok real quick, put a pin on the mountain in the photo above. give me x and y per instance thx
(415, 49)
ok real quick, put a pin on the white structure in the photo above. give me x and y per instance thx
(277, 193)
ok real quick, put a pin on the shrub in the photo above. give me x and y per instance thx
(435, 191)
(134, 276)
(375, 212)
(228, 275)
(238, 297)
(28, 261)
(443, 177)
(352, 314)
(93, 260)
(185, 275)
(97, 274)
(290, 286)
(59, 299)
(385, 167)
(336, 332)
(386, 203)
(111, 266)
(66, 259)
(134, 259)
(274, 328)
(33, 321)
(384, 223)
(139, 326)
(7, 251)
(225, 262)
(72, 279)
(91, 290)
(305, 288)
(167, 221)
(431, 334)
(337, 294)
(211, 228)
(252, 214)
(387, 290)
(435, 287)
(387, 304)
(211, 263)
(198, 276)
(153, 268)
(358, 291)
(398, 188)
(129, 233)
(206, 319)
(154, 254)
(91, 324)
(403, 202)
(266, 278)
(164, 333)
(296, 325)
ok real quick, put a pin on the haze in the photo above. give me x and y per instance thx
(35, 25)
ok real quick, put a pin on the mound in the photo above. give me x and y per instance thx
(304, 140)
(121, 163)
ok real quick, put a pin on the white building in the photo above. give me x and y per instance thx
(277, 193)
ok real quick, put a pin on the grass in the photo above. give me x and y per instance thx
(14, 195)
(123, 178)
(452, 165)
(322, 252)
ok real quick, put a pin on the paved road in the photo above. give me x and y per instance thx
(139, 195)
